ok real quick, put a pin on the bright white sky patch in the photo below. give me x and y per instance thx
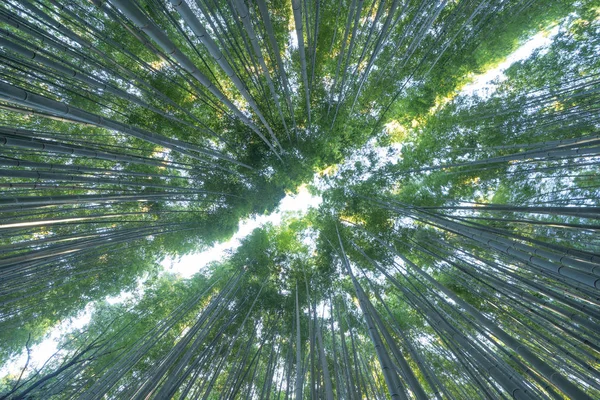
(483, 85)
(293, 42)
(40, 353)
(188, 265)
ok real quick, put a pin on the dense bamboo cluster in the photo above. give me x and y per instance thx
(455, 254)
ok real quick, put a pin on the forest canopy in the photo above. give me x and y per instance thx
(456, 250)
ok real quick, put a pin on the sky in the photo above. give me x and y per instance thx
(185, 267)
(483, 84)
(188, 265)
(42, 352)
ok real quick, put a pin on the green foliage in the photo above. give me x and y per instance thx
(456, 233)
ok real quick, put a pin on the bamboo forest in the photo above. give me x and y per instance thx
(441, 159)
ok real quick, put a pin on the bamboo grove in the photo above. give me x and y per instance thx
(455, 254)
